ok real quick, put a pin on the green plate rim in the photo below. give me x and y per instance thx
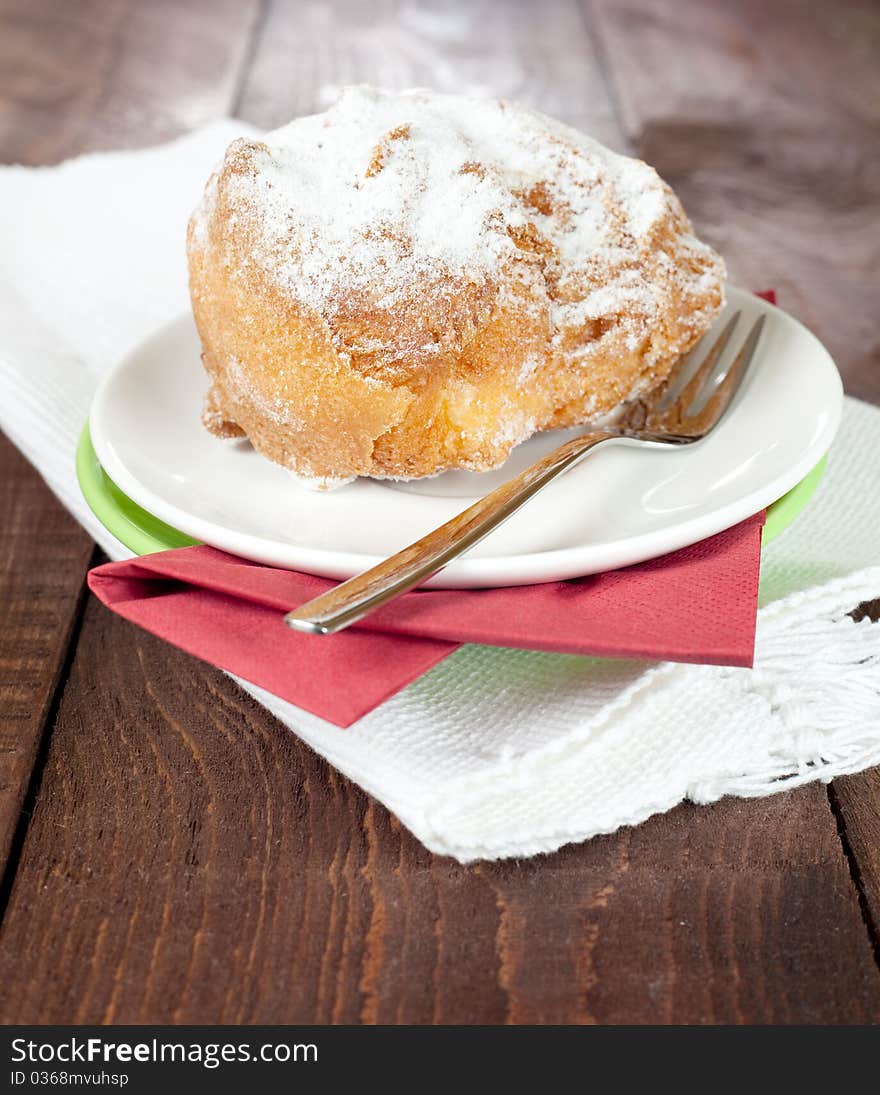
(785, 509)
(144, 534)
(132, 525)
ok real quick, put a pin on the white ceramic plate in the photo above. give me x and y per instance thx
(624, 504)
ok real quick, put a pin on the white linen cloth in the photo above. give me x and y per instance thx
(494, 752)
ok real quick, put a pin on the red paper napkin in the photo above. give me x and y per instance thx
(694, 605)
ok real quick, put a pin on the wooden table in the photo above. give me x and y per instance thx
(173, 854)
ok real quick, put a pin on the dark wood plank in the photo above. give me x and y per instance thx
(45, 555)
(115, 73)
(776, 158)
(73, 78)
(512, 48)
(189, 860)
(856, 800)
(760, 116)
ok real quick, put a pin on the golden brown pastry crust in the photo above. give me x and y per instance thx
(393, 352)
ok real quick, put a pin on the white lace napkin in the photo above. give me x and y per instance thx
(494, 752)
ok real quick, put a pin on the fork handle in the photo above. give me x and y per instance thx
(350, 601)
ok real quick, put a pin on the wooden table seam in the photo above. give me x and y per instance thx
(872, 927)
(31, 792)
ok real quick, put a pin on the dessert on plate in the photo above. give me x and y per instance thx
(413, 282)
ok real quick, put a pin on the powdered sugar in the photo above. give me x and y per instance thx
(390, 195)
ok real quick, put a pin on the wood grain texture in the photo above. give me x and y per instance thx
(767, 127)
(188, 859)
(75, 77)
(511, 48)
(191, 861)
(115, 73)
(856, 802)
(45, 556)
(763, 118)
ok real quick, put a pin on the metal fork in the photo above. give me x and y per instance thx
(680, 412)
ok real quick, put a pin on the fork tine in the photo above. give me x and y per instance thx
(708, 367)
(679, 375)
(710, 406)
(680, 385)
